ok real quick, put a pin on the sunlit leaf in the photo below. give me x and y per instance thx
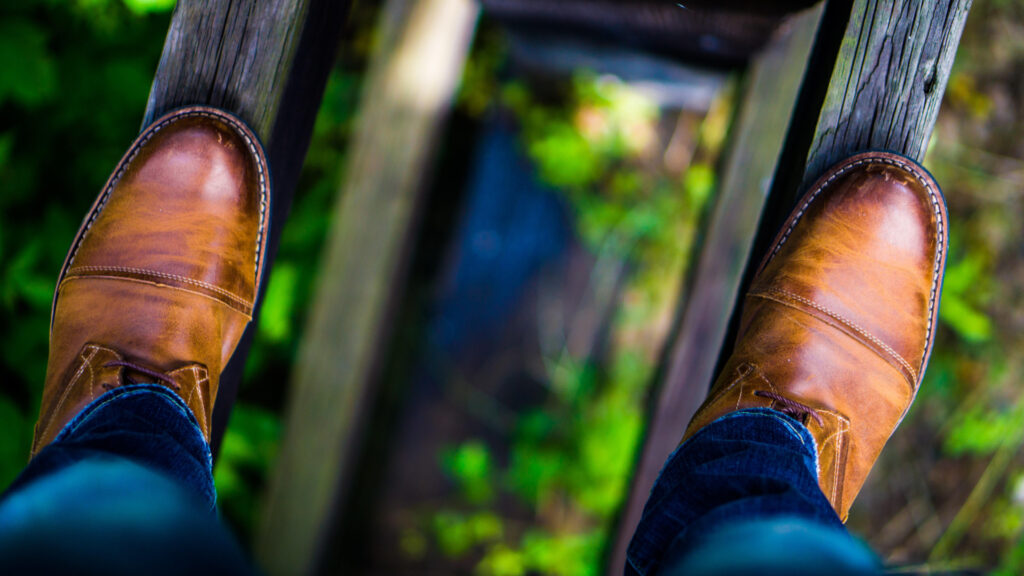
(147, 6)
(275, 323)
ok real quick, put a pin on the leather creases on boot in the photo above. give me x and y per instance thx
(162, 278)
(840, 318)
(99, 369)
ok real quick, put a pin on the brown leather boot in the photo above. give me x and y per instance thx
(840, 318)
(162, 277)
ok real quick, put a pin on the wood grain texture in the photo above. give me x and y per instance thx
(233, 54)
(888, 80)
(768, 104)
(266, 61)
(412, 77)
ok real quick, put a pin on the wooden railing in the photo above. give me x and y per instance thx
(852, 76)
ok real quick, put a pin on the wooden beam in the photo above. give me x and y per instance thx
(266, 61)
(234, 55)
(756, 143)
(705, 35)
(877, 84)
(409, 86)
(888, 80)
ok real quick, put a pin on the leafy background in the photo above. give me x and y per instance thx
(74, 77)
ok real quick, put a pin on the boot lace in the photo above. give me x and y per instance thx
(792, 408)
(162, 378)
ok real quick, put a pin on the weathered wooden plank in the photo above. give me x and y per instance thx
(266, 61)
(413, 73)
(771, 91)
(707, 35)
(234, 55)
(877, 84)
(888, 79)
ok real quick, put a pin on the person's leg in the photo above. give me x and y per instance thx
(751, 473)
(834, 337)
(158, 287)
(133, 469)
(144, 423)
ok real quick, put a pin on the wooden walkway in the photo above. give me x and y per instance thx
(849, 76)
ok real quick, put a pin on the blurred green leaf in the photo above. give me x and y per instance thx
(470, 465)
(501, 560)
(247, 452)
(453, 533)
(564, 157)
(534, 471)
(147, 6)
(699, 184)
(565, 554)
(275, 323)
(970, 324)
(963, 287)
(27, 72)
(983, 430)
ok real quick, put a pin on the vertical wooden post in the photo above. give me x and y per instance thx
(412, 78)
(266, 61)
(772, 86)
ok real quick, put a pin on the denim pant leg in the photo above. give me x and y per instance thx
(741, 496)
(125, 488)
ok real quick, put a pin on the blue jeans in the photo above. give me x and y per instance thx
(125, 488)
(741, 497)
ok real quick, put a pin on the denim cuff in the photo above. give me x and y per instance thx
(147, 424)
(155, 392)
(789, 425)
(749, 464)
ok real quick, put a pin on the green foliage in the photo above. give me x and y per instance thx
(249, 448)
(570, 458)
(279, 304)
(74, 78)
(146, 6)
(457, 533)
(699, 183)
(29, 75)
(597, 147)
(965, 293)
(982, 430)
(542, 553)
(470, 465)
